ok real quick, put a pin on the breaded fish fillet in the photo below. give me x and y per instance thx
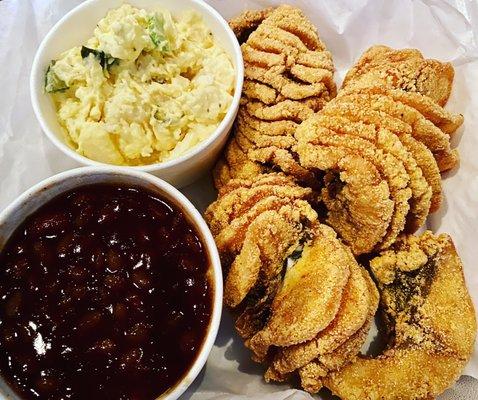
(422, 155)
(431, 320)
(421, 192)
(404, 69)
(306, 303)
(353, 311)
(288, 76)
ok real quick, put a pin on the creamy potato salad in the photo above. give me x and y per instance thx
(146, 88)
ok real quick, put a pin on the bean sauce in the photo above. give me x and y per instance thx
(104, 294)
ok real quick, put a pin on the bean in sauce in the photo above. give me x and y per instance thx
(104, 294)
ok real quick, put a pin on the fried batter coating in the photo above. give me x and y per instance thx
(358, 199)
(306, 302)
(431, 320)
(421, 193)
(234, 164)
(446, 121)
(404, 69)
(423, 130)
(257, 225)
(422, 155)
(351, 316)
(288, 77)
(312, 374)
(378, 55)
(248, 21)
(243, 200)
(239, 195)
(390, 168)
(269, 240)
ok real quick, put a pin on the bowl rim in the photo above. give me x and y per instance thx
(36, 92)
(188, 208)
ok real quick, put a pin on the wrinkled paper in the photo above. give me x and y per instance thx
(446, 30)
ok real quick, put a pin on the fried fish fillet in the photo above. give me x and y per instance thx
(247, 22)
(288, 76)
(234, 163)
(307, 301)
(239, 196)
(271, 143)
(403, 69)
(446, 121)
(421, 192)
(431, 320)
(422, 155)
(269, 240)
(353, 312)
(257, 224)
(357, 197)
(312, 374)
(421, 129)
(391, 169)
(378, 55)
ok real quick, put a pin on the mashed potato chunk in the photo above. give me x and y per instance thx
(147, 87)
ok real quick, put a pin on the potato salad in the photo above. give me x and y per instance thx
(146, 88)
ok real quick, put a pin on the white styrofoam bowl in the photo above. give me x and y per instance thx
(76, 27)
(44, 191)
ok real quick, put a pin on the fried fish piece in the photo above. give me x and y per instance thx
(234, 164)
(247, 22)
(269, 240)
(288, 77)
(231, 239)
(423, 130)
(378, 55)
(256, 225)
(357, 197)
(421, 193)
(404, 69)
(351, 316)
(273, 146)
(430, 317)
(309, 297)
(390, 168)
(447, 121)
(422, 155)
(239, 195)
(312, 374)
(296, 227)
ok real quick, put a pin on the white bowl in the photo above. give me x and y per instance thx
(77, 26)
(44, 191)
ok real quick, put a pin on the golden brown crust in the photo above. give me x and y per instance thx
(421, 129)
(288, 77)
(351, 316)
(423, 156)
(358, 198)
(383, 139)
(234, 163)
(312, 374)
(248, 21)
(307, 302)
(390, 167)
(430, 313)
(446, 121)
(403, 69)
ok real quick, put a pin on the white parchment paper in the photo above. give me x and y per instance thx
(446, 30)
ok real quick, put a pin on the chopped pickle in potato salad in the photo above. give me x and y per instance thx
(146, 88)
